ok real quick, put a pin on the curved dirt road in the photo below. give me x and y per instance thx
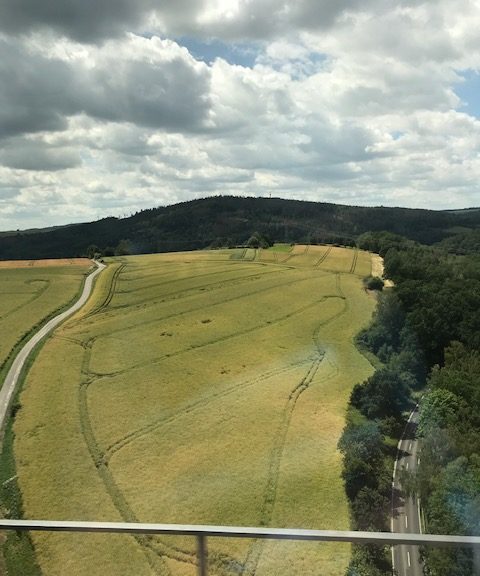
(8, 388)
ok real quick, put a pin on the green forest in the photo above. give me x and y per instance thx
(224, 221)
(426, 340)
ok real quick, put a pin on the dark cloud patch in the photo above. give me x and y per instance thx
(82, 20)
(97, 20)
(32, 92)
(172, 95)
(266, 19)
(159, 86)
(33, 155)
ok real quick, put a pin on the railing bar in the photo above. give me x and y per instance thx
(389, 538)
(202, 555)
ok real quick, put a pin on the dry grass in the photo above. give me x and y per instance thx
(46, 263)
(198, 389)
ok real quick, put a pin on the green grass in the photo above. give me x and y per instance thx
(198, 389)
(282, 248)
(29, 296)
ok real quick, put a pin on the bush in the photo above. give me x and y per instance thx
(373, 283)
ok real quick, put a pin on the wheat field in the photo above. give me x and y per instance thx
(201, 388)
(32, 290)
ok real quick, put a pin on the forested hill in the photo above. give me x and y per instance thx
(228, 220)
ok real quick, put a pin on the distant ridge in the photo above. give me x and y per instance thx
(224, 220)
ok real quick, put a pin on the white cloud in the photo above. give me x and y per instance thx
(348, 101)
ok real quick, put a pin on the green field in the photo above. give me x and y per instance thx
(201, 388)
(30, 293)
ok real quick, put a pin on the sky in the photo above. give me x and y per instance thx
(108, 107)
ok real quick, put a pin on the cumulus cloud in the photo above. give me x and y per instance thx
(92, 21)
(31, 91)
(349, 101)
(30, 154)
(150, 82)
(87, 20)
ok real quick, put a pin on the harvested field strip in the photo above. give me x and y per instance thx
(238, 334)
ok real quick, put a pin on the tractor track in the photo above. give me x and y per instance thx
(198, 308)
(223, 563)
(323, 256)
(154, 548)
(110, 293)
(35, 296)
(256, 548)
(354, 261)
(168, 419)
(176, 295)
(177, 279)
(195, 347)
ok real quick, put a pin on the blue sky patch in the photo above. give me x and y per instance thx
(469, 92)
(208, 50)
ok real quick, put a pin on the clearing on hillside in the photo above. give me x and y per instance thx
(201, 388)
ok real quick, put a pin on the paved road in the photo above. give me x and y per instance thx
(8, 388)
(406, 510)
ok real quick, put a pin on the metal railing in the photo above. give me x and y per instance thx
(203, 532)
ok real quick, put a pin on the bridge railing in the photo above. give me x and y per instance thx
(203, 532)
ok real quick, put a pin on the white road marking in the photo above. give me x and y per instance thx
(406, 521)
(409, 560)
(410, 446)
(419, 517)
(406, 466)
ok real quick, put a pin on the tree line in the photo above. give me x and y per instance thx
(231, 220)
(425, 336)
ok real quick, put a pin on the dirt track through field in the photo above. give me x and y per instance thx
(101, 459)
(287, 315)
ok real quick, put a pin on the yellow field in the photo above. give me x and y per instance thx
(31, 291)
(200, 388)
